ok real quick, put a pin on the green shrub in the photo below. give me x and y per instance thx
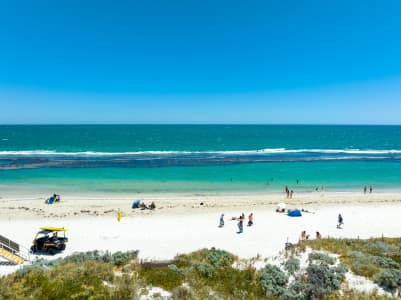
(390, 279)
(119, 258)
(64, 281)
(122, 258)
(292, 265)
(219, 258)
(321, 257)
(368, 265)
(386, 262)
(298, 290)
(341, 269)
(382, 248)
(163, 277)
(322, 280)
(273, 281)
(206, 270)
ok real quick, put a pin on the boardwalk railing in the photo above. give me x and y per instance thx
(14, 249)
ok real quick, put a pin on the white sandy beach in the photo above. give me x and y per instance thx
(184, 226)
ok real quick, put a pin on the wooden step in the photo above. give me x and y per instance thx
(11, 256)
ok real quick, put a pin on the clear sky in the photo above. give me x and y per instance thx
(200, 61)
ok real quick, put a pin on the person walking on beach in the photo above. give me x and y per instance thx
(291, 193)
(370, 190)
(240, 226)
(340, 221)
(250, 219)
(119, 215)
(365, 189)
(221, 220)
(287, 192)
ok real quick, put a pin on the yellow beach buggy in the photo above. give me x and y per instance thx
(50, 240)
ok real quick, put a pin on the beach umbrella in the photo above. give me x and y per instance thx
(281, 206)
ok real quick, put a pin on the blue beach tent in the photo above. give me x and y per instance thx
(295, 213)
(50, 200)
(136, 203)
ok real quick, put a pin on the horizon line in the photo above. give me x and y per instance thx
(201, 124)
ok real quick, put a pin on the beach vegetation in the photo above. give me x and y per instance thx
(161, 276)
(321, 258)
(215, 270)
(210, 274)
(390, 279)
(273, 281)
(364, 257)
(292, 265)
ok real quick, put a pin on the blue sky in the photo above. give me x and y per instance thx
(200, 62)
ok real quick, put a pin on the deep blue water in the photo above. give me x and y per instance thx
(159, 158)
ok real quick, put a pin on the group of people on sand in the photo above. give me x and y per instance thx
(53, 199)
(143, 206)
(289, 193)
(305, 236)
(240, 223)
(365, 189)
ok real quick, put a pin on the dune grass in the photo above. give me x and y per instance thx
(210, 274)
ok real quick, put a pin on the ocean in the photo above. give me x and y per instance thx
(198, 158)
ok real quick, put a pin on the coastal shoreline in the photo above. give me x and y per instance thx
(74, 205)
(180, 224)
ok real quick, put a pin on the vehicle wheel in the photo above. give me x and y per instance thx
(52, 251)
(33, 248)
(62, 247)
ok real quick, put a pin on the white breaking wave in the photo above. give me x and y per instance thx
(276, 151)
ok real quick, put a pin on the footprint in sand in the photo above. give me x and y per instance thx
(107, 237)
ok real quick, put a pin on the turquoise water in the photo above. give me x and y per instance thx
(199, 158)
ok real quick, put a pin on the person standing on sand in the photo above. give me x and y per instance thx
(250, 219)
(287, 191)
(291, 193)
(221, 220)
(370, 190)
(365, 189)
(240, 226)
(340, 221)
(119, 215)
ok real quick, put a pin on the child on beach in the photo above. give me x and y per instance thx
(240, 226)
(221, 220)
(340, 221)
(250, 219)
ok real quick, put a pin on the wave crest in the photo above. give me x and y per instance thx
(36, 153)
